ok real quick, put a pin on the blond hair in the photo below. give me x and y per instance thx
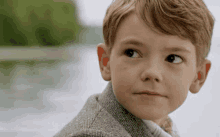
(188, 19)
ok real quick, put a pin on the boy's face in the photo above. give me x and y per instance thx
(141, 61)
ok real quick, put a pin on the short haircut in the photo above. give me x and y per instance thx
(188, 19)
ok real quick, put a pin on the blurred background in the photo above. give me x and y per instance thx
(49, 67)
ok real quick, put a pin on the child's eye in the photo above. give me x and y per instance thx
(131, 52)
(174, 59)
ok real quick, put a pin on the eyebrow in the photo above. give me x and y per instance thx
(177, 49)
(140, 44)
(133, 42)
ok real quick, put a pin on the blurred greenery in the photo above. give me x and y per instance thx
(30, 23)
(38, 22)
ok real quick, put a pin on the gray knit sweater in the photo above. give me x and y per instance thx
(103, 116)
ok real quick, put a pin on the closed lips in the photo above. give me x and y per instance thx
(148, 93)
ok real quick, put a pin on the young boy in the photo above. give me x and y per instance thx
(154, 53)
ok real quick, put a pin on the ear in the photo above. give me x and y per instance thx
(201, 76)
(104, 61)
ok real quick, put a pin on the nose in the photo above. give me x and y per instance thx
(152, 72)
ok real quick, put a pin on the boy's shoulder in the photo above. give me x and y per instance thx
(102, 115)
(92, 120)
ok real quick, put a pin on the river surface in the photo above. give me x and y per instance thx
(51, 107)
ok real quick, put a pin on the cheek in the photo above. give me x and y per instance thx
(188, 80)
(183, 78)
(178, 87)
(177, 98)
(120, 66)
(124, 73)
(118, 70)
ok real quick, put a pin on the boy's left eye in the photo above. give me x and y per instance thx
(174, 59)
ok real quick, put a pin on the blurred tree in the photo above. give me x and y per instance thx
(38, 22)
(9, 26)
(10, 35)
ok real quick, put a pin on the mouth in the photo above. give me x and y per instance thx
(149, 93)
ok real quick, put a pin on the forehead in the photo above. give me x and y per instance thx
(133, 31)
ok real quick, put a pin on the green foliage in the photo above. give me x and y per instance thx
(10, 33)
(38, 22)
